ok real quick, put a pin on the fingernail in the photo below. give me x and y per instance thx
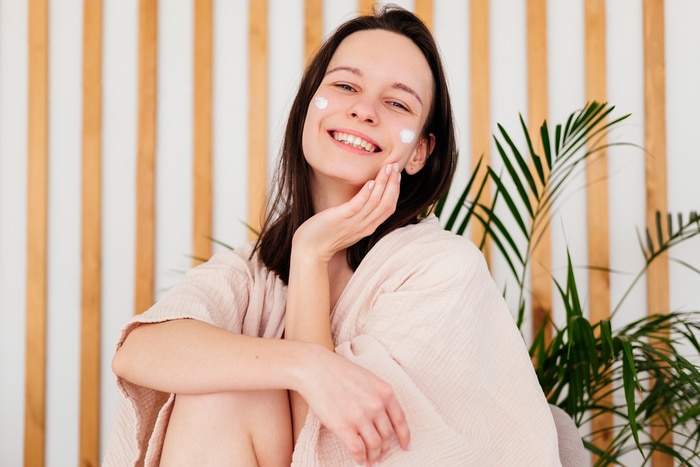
(370, 185)
(396, 167)
(388, 169)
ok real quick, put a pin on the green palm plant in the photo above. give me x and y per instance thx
(584, 362)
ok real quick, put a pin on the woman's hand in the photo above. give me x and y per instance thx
(359, 408)
(335, 229)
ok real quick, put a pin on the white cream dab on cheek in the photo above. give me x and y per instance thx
(321, 102)
(407, 136)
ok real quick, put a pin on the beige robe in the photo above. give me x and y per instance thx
(421, 312)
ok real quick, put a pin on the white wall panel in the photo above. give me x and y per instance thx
(566, 37)
(64, 225)
(119, 130)
(453, 40)
(13, 221)
(174, 143)
(683, 122)
(626, 179)
(230, 122)
(285, 66)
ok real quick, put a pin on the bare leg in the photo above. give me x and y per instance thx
(243, 428)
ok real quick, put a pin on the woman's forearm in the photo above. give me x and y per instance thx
(307, 316)
(192, 357)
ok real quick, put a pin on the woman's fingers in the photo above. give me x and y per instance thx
(399, 423)
(373, 443)
(377, 201)
(386, 432)
(355, 445)
(384, 193)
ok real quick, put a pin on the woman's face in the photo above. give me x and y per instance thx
(368, 111)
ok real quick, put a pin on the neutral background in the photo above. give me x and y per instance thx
(508, 98)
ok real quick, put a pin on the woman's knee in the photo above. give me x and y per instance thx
(248, 422)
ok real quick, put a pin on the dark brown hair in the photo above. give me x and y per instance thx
(291, 204)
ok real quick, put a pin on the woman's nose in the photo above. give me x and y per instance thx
(364, 111)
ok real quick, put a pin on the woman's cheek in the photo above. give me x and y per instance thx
(320, 102)
(407, 136)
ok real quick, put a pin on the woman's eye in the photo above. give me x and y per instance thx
(347, 87)
(398, 105)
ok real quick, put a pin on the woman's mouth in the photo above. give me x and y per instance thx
(354, 141)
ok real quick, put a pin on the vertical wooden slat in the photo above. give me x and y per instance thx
(366, 7)
(424, 10)
(538, 103)
(480, 102)
(37, 213)
(597, 197)
(656, 182)
(313, 26)
(202, 197)
(257, 113)
(145, 163)
(91, 231)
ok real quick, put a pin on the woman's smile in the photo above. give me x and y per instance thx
(354, 142)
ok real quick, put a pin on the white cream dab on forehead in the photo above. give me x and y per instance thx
(407, 136)
(321, 102)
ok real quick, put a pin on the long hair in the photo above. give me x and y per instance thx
(291, 204)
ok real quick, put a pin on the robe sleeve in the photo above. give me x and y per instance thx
(229, 292)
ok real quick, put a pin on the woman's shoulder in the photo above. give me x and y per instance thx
(427, 246)
(429, 237)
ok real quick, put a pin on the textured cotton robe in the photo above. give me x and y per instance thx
(421, 312)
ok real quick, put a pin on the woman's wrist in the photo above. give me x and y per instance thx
(301, 371)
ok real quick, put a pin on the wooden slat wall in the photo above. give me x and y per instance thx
(37, 223)
(257, 113)
(597, 193)
(146, 157)
(202, 122)
(37, 169)
(538, 104)
(91, 236)
(656, 174)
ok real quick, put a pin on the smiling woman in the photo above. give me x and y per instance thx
(355, 329)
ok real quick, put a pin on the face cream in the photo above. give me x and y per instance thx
(321, 102)
(407, 136)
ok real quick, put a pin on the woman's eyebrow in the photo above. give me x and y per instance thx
(353, 70)
(409, 90)
(358, 72)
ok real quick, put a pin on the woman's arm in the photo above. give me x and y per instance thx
(192, 357)
(308, 311)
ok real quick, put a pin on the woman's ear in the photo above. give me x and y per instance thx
(420, 155)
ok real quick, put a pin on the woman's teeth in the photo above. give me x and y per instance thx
(354, 141)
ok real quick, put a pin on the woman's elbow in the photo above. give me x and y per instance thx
(120, 362)
(123, 358)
